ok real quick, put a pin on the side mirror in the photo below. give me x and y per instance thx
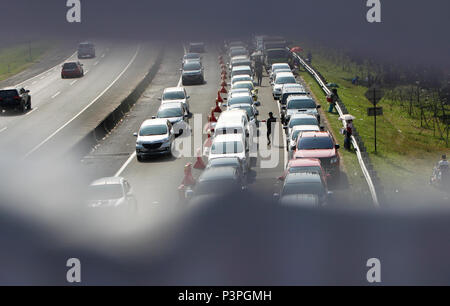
(337, 146)
(135, 134)
(285, 127)
(319, 106)
(283, 107)
(188, 97)
(160, 99)
(276, 196)
(257, 103)
(322, 128)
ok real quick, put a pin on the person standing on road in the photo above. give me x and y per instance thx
(348, 135)
(259, 71)
(334, 98)
(271, 120)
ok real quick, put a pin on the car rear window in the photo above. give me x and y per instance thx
(303, 121)
(8, 93)
(192, 66)
(303, 169)
(153, 130)
(229, 147)
(241, 100)
(170, 112)
(70, 66)
(315, 143)
(298, 104)
(304, 188)
(173, 95)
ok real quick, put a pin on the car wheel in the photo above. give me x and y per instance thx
(29, 104)
(139, 158)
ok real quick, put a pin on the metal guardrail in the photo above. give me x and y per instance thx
(363, 166)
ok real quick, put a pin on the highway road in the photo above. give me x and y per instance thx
(64, 110)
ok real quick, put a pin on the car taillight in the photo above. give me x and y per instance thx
(16, 98)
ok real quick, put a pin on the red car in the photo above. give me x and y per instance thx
(72, 70)
(319, 145)
(302, 165)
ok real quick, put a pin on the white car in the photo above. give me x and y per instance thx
(299, 104)
(177, 114)
(155, 137)
(240, 60)
(176, 94)
(278, 66)
(230, 145)
(241, 70)
(249, 85)
(281, 79)
(240, 78)
(297, 130)
(241, 98)
(300, 119)
(111, 192)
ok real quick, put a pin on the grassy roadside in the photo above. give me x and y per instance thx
(357, 185)
(406, 153)
(16, 58)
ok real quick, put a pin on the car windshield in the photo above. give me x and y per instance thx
(305, 169)
(304, 188)
(105, 192)
(224, 162)
(237, 52)
(303, 121)
(243, 85)
(241, 100)
(277, 54)
(215, 187)
(285, 80)
(298, 104)
(248, 109)
(192, 56)
(315, 143)
(170, 112)
(242, 78)
(174, 95)
(192, 66)
(153, 130)
(70, 66)
(227, 147)
(86, 46)
(8, 93)
(243, 71)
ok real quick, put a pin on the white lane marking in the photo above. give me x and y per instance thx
(3, 129)
(86, 72)
(96, 63)
(42, 77)
(103, 55)
(124, 166)
(86, 107)
(56, 94)
(35, 108)
(73, 82)
(34, 83)
(133, 155)
(42, 73)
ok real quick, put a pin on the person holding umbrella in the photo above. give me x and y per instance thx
(333, 100)
(348, 130)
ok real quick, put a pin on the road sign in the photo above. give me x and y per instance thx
(374, 111)
(374, 95)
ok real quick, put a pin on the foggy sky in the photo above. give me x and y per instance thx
(410, 30)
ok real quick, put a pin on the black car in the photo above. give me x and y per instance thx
(196, 47)
(192, 73)
(16, 99)
(86, 50)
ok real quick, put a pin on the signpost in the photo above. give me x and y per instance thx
(374, 95)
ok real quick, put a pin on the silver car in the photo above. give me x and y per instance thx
(176, 113)
(155, 137)
(111, 192)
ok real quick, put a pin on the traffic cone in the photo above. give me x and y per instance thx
(213, 118)
(224, 83)
(199, 164)
(208, 141)
(217, 109)
(188, 179)
(222, 65)
(219, 97)
(223, 90)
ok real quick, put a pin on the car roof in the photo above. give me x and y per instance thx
(169, 89)
(302, 177)
(241, 76)
(316, 134)
(236, 68)
(241, 94)
(304, 162)
(240, 57)
(156, 121)
(227, 137)
(218, 173)
(305, 128)
(9, 88)
(280, 65)
(193, 53)
(171, 105)
(299, 97)
(240, 105)
(284, 74)
(302, 116)
(293, 87)
(242, 82)
(107, 181)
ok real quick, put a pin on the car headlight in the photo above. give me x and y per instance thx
(334, 160)
(166, 142)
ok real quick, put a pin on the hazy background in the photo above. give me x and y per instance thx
(410, 30)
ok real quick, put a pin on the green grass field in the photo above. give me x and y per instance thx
(16, 58)
(406, 153)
